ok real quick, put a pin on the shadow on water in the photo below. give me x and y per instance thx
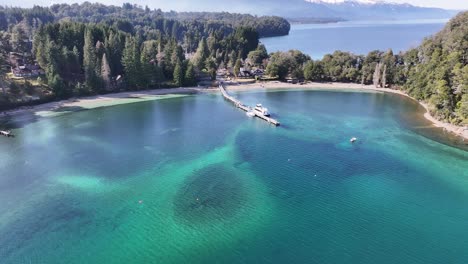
(210, 194)
(320, 166)
(53, 216)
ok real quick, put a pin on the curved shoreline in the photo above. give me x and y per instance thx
(136, 96)
(96, 101)
(456, 130)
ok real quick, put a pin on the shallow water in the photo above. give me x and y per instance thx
(194, 180)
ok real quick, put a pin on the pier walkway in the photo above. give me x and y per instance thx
(246, 108)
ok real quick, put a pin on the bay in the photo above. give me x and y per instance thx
(194, 180)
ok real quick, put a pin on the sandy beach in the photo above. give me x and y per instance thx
(458, 130)
(91, 102)
(138, 96)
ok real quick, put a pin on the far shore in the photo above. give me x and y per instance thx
(137, 96)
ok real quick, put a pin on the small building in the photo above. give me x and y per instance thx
(27, 70)
(257, 72)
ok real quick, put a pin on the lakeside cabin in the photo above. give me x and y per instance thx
(27, 70)
(20, 67)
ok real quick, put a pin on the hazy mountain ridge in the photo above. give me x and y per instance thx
(353, 9)
(344, 9)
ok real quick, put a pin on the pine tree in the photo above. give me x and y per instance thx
(201, 54)
(232, 59)
(158, 75)
(89, 62)
(177, 54)
(114, 48)
(76, 60)
(237, 67)
(148, 62)
(190, 75)
(376, 77)
(178, 74)
(384, 76)
(131, 63)
(106, 72)
(211, 67)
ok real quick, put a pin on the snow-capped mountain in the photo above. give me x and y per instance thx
(334, 9)
(375, 9)
(369, 2)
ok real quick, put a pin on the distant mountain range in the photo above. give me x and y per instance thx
(326, 9)
(371, 9)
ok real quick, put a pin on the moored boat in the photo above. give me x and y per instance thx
(262, 110)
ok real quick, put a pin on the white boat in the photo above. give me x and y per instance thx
(262, 110)
(353, 140)
(6, 133)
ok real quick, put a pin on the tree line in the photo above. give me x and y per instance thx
(86, 58)
(435, 72)
(129, 15)
(92, 48)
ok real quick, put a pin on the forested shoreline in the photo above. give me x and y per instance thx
(435, 72)
(128, 15)
(92, 49)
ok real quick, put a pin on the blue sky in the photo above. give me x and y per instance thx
(449, 4)
(172, 4)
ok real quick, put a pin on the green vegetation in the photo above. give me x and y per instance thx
(178, 25)
(101, 53)
(92, 48)
(440, 76)
(435, 72)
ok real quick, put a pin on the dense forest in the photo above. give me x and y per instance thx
(91, 48)
(128, 16)
(81, 59)
(435, 72)
(76, 50)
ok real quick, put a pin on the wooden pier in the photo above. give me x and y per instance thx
(246, 108)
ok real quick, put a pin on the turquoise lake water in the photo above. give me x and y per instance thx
(359, 37)
(194, 180)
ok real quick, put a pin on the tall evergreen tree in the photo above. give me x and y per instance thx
(190, 78)
(89, 62)
(377, 74)
(211, 67)
(237, 67)
(200, 56)
(148, 62)
(131, 63)
(384, 76)
(106, 72)
(178, 74)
